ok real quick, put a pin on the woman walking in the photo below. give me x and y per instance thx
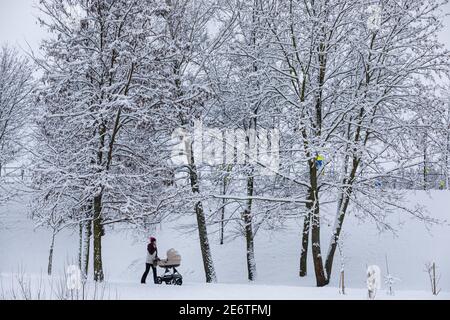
(151, 261)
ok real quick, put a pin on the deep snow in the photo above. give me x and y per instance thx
(277, 255)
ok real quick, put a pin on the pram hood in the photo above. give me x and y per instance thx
(173, 259)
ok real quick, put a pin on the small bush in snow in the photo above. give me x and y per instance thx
(373, 281)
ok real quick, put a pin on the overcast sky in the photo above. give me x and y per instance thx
(18, 24)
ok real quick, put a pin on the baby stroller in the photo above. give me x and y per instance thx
(172, 262)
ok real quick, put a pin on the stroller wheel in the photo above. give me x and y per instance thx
(158, 280)
(178, 282)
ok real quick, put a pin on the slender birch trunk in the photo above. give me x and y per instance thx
(86, 248)
(208, 264)
(50, 256)
(80, 245)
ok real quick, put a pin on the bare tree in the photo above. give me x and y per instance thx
(16, 86)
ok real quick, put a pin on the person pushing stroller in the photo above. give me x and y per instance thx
(151, 261)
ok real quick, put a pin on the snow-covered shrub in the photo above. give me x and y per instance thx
(390, 281)
(373, 280)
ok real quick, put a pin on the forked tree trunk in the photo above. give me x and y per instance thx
(343, 203)
(342, 209)
(313, 206)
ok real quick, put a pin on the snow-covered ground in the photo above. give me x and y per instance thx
(277, 255)
(51, 289)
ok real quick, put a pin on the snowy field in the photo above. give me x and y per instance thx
(50, 289)
(24, 253)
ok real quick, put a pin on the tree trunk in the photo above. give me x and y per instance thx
(305, 243)
(224, 202)
(446, 160)
(321, 279)
(50, 256)
(314, 208)
(425, 162)
(251, 263)
(98, 233)
(434, 280)
(208, 264)
(222, 222)
(249, 236)
(344, 201)
(342, 209)
(447, 151)
(342, 282)
(86, 248)
(80, 245)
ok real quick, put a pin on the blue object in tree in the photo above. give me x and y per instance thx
(319, 162)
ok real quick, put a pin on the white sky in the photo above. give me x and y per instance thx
(18, 24)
